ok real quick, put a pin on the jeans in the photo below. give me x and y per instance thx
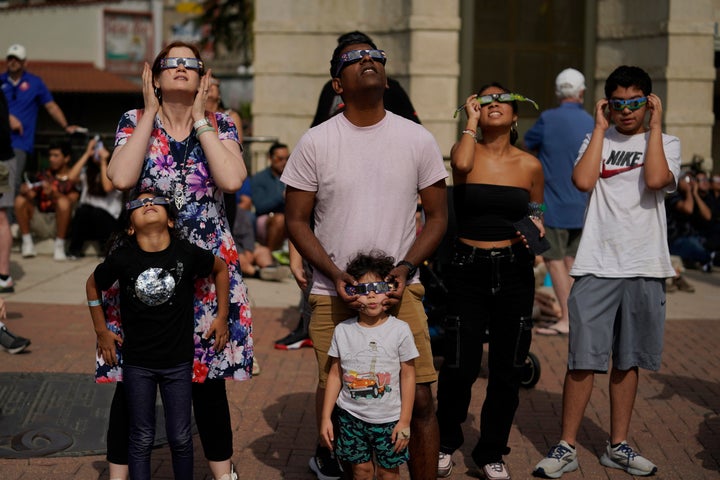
(691, 249)
(141, 386)
(212, 418)
(490, 300)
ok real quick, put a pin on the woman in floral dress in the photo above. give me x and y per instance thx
(192, 156)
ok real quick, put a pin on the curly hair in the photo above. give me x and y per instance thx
(376, 261)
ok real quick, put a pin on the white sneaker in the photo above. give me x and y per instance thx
(28, 249)
(59, 254)
(625, 458)
(562, 458)
(445, 465)
(496, 471)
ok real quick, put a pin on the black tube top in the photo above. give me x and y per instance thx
(487, 212)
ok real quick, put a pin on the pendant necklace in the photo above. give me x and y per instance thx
(179, 190)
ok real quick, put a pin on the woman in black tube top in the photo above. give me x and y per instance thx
(490, 281)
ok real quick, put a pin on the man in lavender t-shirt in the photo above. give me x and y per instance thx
(359, 174)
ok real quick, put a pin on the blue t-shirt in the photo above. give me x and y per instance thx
(557, 136)
(24, 102)
(268, 192)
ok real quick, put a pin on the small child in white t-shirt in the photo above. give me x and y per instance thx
(371, 378)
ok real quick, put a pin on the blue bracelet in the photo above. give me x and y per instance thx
(94, 303)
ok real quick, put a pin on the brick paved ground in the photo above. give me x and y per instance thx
(676, 422)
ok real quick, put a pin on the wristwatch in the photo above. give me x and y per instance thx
(411, 268)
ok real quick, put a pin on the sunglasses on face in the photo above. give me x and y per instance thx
(354, 56)
(173, 62)
(366, 288)
(632, 104)
(142, 202)
(499, 97)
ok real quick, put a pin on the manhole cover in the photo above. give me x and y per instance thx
(57, 415)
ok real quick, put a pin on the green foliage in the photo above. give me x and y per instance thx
(230, 28)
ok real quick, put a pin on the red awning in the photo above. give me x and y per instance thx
(78, 77)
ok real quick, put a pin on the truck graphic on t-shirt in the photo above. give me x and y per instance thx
(369, 384)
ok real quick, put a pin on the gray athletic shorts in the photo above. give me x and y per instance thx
(624, 317)
(563, 242)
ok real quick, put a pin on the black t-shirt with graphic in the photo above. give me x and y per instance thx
(156, 300)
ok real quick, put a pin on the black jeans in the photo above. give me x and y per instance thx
(141, 386)
(490, 300)
(212, 418)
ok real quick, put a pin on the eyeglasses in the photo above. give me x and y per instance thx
(366, 288)
(142, 202)
(173, 62)
(499, 97)
(632, 104)
(353, 56)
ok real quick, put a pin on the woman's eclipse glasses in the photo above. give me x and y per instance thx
(498, 97)
(174, 62)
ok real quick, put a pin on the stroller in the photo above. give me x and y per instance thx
(435, 300)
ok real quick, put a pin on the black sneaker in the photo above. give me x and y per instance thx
(12, 343)
(294, 340)
(325, 465)
(7, 285)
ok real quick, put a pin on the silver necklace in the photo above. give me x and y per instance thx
(179, 190)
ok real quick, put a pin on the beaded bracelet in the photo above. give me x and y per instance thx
(94, 303)
(202, 130)
(472, 133)
(536, 210)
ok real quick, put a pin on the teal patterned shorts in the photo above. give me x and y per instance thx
(359, 439)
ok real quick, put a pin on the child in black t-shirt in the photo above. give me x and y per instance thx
(156, 272)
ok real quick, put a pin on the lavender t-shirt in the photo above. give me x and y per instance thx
(366, 181)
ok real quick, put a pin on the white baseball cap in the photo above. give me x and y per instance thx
(569, 83)
(17, 51)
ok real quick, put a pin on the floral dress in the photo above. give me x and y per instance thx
(180, 170)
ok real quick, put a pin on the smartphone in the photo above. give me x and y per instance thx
(531, 233)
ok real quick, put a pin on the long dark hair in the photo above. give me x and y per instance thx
(94, 179)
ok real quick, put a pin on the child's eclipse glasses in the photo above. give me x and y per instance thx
(141, 202)
(632, 104)
(366, 288)
(354, 56)
(499, 97)
(173, 62)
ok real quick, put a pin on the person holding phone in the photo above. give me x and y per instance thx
(96, 217)
(490, 280)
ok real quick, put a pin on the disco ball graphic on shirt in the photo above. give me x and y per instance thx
(154, 286)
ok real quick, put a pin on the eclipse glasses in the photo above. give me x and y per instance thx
(366, 288)
(499, 97)
(354, 56)
(174, 62)
(141, 202)
(632, 104)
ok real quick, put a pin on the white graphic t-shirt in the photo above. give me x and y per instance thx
(625, 233)
(370, 362)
